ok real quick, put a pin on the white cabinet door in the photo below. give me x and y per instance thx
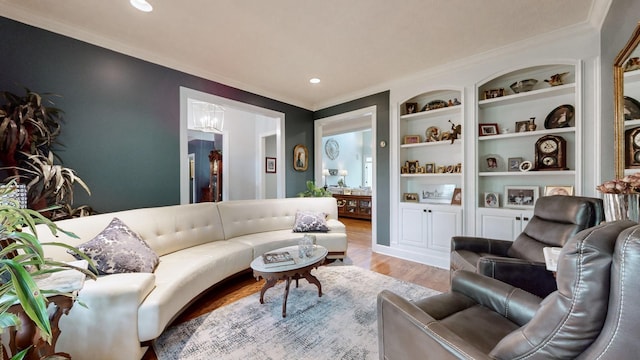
(502, 224)
(429, 226)
(443, 224)
(412, 226)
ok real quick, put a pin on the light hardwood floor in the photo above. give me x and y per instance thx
(359, 254)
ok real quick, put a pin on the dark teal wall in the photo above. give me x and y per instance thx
(381, 101)
(122, 115)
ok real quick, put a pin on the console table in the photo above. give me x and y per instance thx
(354, 206)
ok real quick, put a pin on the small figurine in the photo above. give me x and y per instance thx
(456, 101)
(456, 130)
(557, 79)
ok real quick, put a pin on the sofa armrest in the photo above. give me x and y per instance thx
(531, 276)
(106, 318)
(406, 332)
(480, 245)
(511, 302)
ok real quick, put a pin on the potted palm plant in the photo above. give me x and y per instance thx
(29, 128)
(21, 261)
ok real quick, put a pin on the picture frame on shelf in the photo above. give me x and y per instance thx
(520, 197)
(404, 169)
(492, 163)
(410, 197)
(300, 158)
(457, 197)
(550, 190)
(491, 200)
(411, 139)
(411, 107)
(440, 169)
(487, 129)
(526, 166)
(437, 193)
(430, 168)
(412, 166)
(522, 126)
(421, 170)
(270, 165)
(514, 163)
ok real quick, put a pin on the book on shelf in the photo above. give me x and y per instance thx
(277, 259)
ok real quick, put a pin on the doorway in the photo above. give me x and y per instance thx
(362, 120)
(243, 159)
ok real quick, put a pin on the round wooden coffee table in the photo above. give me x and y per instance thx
(301, 269)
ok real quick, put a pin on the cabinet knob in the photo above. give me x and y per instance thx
(526, 219)
(518, 218)
(424, 210)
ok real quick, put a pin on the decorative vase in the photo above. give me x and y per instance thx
(621, 207)
(532, 124)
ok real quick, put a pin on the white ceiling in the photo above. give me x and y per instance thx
(273, 48)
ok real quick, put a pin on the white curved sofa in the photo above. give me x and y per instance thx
(199, 245)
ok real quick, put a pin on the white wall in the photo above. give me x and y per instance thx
(245, 162)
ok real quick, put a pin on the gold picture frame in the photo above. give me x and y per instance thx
(300, 158)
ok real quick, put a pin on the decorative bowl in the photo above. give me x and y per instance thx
(523, 85)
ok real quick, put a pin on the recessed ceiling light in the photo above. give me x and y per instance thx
(141, 5)
(314, 80)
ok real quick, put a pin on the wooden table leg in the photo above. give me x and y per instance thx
(286, 295)
(268, 284)
(313, 280)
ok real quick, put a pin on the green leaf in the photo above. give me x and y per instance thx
(30, 297)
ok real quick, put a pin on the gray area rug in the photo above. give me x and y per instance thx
(341, 324)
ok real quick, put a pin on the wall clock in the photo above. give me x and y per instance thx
(632, 148)
(332, 149)
(551, 153)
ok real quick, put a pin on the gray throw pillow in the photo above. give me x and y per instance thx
(310, 221)
(118, 249)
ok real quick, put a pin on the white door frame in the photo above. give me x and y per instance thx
(321, 124)
(186, 93)
(262, 165)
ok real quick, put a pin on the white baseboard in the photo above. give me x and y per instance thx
(436, 260)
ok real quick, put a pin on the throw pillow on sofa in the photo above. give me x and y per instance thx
(310, 221)
(118, 249)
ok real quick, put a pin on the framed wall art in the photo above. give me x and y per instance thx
(300, 158)
(270, 165)
(520, 197)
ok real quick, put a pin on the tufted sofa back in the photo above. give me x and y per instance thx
(166, 229)
(242, 217)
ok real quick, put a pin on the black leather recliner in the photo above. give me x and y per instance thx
(521, 262)
(592, 315)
